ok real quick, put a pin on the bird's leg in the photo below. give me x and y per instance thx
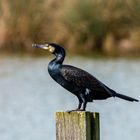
(84, 105)
(83, 101)
(79, 106)
(80, 103)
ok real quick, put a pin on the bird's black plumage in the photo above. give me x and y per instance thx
(79, 82)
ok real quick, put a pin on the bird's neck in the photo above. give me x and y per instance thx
(55, 63)
(59, 59)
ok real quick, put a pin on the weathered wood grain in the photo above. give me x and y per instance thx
(77, 126)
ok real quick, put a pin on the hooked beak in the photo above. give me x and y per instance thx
(48, 47)
(45, 46)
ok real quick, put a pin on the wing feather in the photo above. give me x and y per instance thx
(83, 79)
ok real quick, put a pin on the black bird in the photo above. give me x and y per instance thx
(79, 82)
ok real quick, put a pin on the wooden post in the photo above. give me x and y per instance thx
(77, 126)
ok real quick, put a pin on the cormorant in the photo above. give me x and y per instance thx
(79, 82)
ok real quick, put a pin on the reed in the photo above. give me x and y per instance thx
(78, 25)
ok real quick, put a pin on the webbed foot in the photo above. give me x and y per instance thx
(69, 111)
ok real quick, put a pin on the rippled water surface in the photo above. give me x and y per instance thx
(29, 98)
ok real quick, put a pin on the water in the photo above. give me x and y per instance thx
(29, 98)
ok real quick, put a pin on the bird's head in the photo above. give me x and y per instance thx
(52, 48)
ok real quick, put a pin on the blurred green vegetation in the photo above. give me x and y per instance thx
(111, 27)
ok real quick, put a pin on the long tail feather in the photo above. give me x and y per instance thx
(126, 97)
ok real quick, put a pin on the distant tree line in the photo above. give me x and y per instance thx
(101, 25)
